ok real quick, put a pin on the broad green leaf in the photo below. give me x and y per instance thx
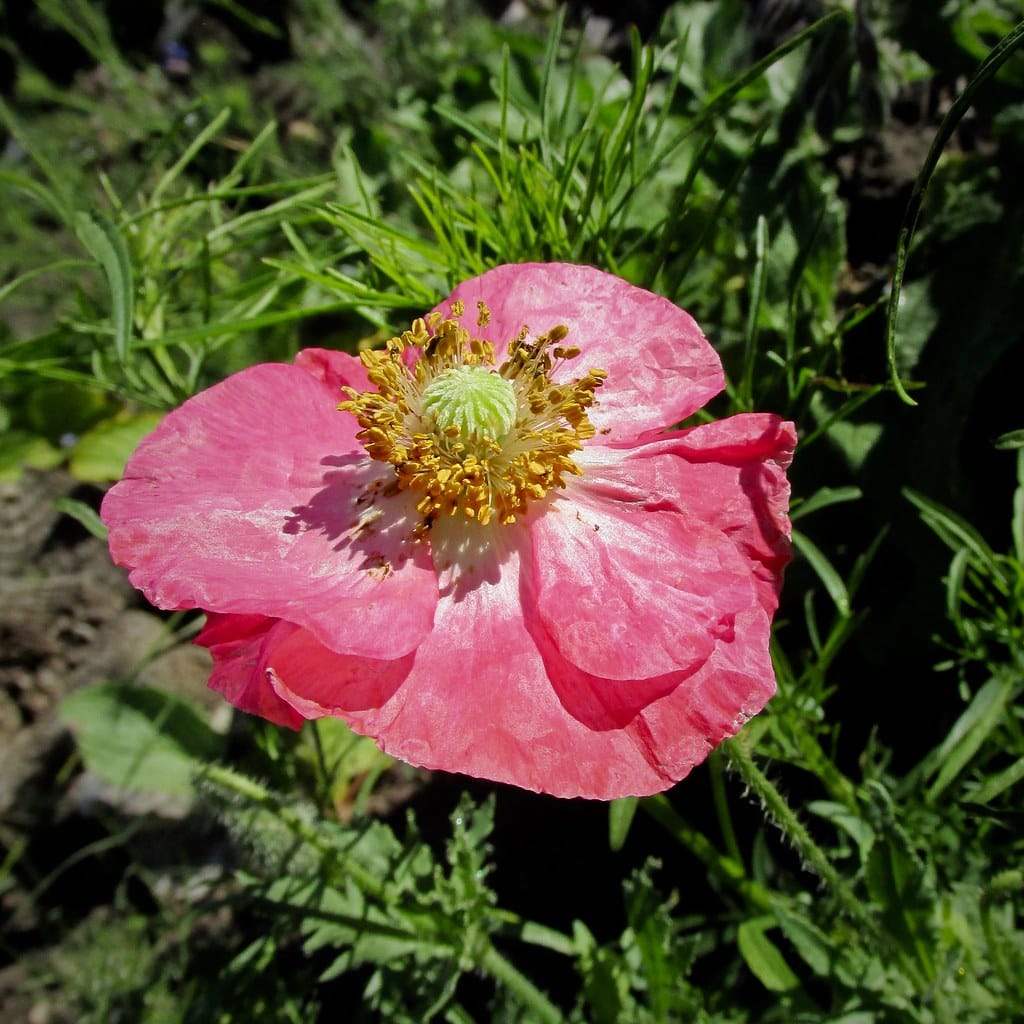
(101, 454)
(139, 737)
(808, 940)
(21, 449)
(896, 881)
(98, 233)
(762, 956)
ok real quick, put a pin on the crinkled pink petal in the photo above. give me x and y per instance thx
(239, 644)
(600, 647)
(660, 366)
(635, 597)
(729, 474)
(334, 369)
(256, 498)
(318, 683)
(732, 686)
(255, 657)
(479, 699)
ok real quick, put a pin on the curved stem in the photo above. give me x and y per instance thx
(785, 817)
(724, 869)
(715, 768)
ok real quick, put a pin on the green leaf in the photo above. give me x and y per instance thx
(99, 235)
(139, 737)
(896, 881)
(997, 784)
(808, 940)
(620, 817)
(21, 449)
(762, 956)
(1011, 440)
(978, 721)
(101, 454)
(954, 531)
(84, 514)
(825, 571)
(823, 497)
(848, 821)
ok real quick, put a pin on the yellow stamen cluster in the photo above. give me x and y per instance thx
(473, 439)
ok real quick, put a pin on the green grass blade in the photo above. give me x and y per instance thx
(997, 784)
(187, 157)
(955, 532)
(756, 297)
(99, 235)
(84, 514)
(825, 572)
(980, 719)
(823, 497)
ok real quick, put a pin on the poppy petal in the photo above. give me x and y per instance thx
(660, 366)
(255, 497)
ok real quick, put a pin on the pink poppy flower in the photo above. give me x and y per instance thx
(496, 557)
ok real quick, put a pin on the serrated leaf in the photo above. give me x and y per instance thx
(139, 737)
(98, 233)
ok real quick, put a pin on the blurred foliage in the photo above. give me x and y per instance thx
(256, 177)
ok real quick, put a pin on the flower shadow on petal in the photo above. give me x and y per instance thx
(361, 512)
(467, 556)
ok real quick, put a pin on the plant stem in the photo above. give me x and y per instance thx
(725, 869)
(251, 790)
(715, 767)
(528, 994)
(793, 829)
